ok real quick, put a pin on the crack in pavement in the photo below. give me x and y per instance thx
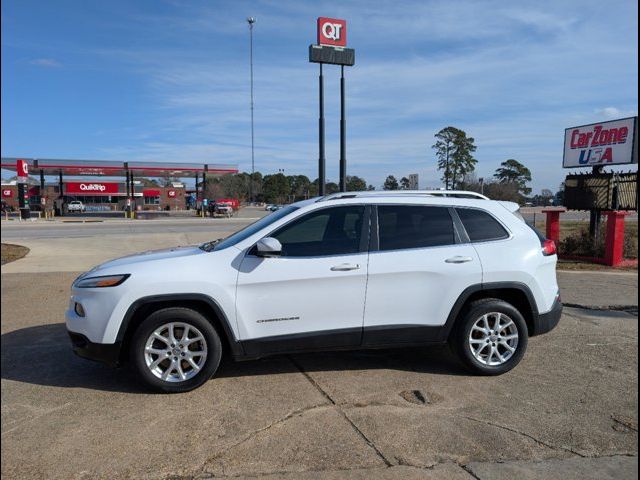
(464, 466)
(625, 422)
(341, 412)
(252, 434)
(301, 411)
(524, 434)
(325, 470)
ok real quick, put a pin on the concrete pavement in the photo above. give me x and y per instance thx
(74, 254)
(325, 415)
(599, 289)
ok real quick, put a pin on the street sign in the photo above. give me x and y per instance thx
(601, 144)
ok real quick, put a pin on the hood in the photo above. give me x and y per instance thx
(151, 255)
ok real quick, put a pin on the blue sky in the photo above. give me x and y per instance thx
(169, 80)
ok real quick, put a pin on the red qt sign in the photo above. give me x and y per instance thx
(7, 193)
(22, 168)
(332, 31)
(171, 193)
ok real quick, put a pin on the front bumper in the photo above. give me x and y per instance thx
(545, 322)
(108, 353)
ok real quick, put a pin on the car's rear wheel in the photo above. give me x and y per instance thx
(491, 337)
(175, 350)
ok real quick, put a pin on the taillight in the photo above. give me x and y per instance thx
(549, 248)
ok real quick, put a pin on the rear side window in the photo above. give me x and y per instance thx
(480, 226)
(403, 227)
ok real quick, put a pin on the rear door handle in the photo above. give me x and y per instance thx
(459, 259)
(345, 267)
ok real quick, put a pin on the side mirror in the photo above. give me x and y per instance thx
(268, 247)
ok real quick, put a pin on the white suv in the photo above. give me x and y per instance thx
(345, 271)
(76, 206)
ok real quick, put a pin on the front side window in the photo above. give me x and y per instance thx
(403, 227)
(249, 230)
(330, 231)
(480, 226)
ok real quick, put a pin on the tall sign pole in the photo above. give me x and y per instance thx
(331, 49)
(321, 155)
(343, 134)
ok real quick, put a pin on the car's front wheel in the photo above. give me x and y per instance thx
(491, 337)
(175, 350)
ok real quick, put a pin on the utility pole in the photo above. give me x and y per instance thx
(343, 134)
(251, 21)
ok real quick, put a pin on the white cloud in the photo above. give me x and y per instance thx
(46, 62)
(611, 113)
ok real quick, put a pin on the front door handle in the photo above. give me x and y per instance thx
(459, 259)
(345, 267)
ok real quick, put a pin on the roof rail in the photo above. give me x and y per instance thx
(455, 194)
(395, 193)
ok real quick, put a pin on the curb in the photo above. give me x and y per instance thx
(614, 308)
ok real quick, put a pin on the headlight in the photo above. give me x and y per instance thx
(103, 281)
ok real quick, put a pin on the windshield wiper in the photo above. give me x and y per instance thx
(209, 246)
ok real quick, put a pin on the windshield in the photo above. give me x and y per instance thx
(248, 230)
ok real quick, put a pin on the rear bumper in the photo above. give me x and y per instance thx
(108, 353)
(546, 322)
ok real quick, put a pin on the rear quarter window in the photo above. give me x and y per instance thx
(481, 226)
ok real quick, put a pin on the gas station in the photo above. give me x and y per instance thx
(104, 185)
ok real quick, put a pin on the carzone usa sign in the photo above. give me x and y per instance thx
(601, 144)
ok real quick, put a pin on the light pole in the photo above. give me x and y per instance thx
(251, 21)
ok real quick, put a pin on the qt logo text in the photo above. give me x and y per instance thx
(332, 31)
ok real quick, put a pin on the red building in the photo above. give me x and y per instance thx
(100, 191)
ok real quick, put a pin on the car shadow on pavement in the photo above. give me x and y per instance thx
(436, 360)
(42, 355)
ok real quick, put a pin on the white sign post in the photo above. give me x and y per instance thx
(601, 144)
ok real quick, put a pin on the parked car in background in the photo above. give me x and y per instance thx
(224, 208)
(268, 206)
(344, 271)
(76, 206)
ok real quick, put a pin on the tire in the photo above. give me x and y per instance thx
(151, 357)
(493, 355)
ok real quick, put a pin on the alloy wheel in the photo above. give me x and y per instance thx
(175, 352)
(493, 339)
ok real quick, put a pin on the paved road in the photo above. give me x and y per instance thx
(135, 227)
(599, 289)
(12, 231)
